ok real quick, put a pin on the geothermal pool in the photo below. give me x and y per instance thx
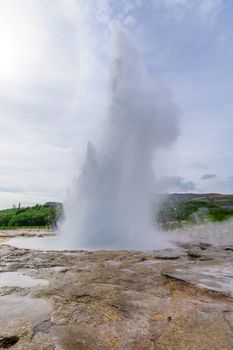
(213, 234)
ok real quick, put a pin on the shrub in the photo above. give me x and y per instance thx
(39, 215)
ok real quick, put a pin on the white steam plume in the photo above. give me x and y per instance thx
(110, 204)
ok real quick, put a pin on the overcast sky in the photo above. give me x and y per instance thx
(54, 71)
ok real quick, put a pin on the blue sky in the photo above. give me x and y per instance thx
(54, 71)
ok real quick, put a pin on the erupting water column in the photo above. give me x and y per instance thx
(111, 201)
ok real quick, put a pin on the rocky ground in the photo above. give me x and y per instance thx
(177, 299)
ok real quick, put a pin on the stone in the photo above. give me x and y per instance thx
(123, 300)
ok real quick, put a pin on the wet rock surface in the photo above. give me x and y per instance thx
(171, 299)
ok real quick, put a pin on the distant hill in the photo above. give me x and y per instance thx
(221, 200)
(190, 208)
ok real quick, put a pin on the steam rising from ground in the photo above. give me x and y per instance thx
(216, 234)
(111, 202)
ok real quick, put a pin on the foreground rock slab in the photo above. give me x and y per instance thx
(174, 299)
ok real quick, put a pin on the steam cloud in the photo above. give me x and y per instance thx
(111, 202)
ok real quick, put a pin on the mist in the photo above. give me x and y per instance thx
(216, 234)
(112, 203)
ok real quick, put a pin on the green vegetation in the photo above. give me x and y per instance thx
(220, 214)
(36, 216)
(175, 214)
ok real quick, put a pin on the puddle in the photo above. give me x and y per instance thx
(16, 279)
(37, 243)
(44, 243)
(218, 278)
(55, 243)
(22, 307)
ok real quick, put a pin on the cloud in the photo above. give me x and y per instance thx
(206, 11)
(10, 189)
(177, 183)
(208, 176)
(54, 68)
(210, 9)
(24, 43)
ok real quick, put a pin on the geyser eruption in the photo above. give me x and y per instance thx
(113, 200)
